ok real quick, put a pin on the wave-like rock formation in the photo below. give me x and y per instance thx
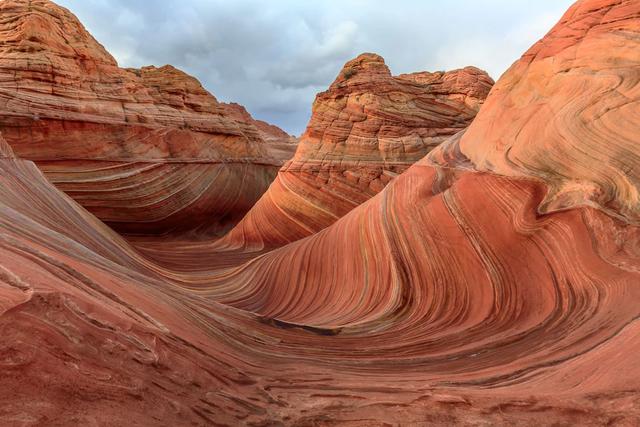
(91, 337)
(145, 150)
(553, 111)
(461, 294)
(365, 130)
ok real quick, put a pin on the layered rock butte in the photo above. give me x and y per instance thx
(146, 150)
(368, 128)
(494, 282)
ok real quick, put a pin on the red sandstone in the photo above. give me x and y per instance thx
(365, 130)
(494, 282)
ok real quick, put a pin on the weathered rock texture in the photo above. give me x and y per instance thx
(452, 297)
(366, 129)
(146, 150)
(567, 113)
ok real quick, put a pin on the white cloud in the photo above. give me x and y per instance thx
(274, 56)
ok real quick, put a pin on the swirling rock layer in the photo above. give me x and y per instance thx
(552, 112)
(144, 150)
(364, 131)
(452, 297)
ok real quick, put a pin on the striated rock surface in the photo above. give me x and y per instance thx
(452, 297)
(91, 336)
(567, 113)
(5, 149)
(146, 150)
(93, 333)
(365, 130)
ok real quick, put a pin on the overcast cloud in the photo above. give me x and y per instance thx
(273, 56)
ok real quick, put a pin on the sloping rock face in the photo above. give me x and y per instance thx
(507, 261)
(449, 298)
(95, 334)
(5, 149)
(365, 130)
(146, 150)
(91, 336)
(567, 113)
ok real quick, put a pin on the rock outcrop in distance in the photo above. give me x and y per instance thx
(146, 150)
(281, 144)
(463, 293)
(366, 129)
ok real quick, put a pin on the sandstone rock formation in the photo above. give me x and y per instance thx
(268, 131)
(146, 150)
(5, 150)
(93, 337)
(567, 113)
(364, 131)
(281, 144)
(455, 296)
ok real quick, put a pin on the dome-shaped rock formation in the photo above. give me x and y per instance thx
(366, 129)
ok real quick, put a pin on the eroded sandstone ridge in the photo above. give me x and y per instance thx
(146, 150)
(567, 113)
(366, 129)
(461, 294)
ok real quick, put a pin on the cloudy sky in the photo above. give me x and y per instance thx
(273, 56)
